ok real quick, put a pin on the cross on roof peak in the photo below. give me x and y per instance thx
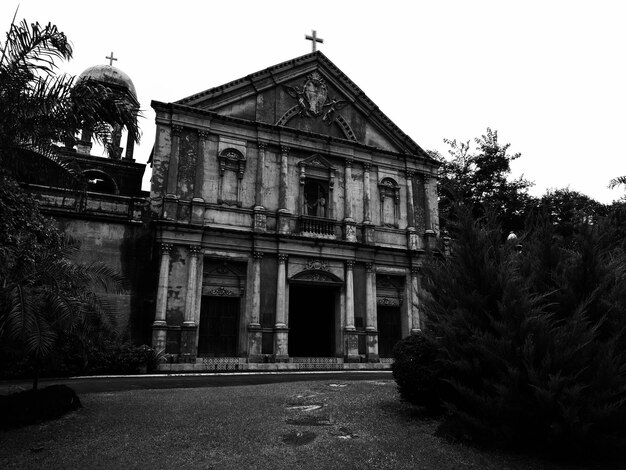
(111, 59)
(314, 39)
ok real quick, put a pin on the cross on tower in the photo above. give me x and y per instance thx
(314, 39)
(111, 59)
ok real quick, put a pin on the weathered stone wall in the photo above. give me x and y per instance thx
(128, 249)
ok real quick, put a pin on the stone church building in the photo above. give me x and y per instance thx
(290, 217)
(285, 226)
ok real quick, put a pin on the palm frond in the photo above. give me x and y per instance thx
(617, 182)
(34, 48)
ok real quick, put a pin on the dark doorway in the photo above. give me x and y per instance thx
(219, 324)
(311, 321)
(389, 330)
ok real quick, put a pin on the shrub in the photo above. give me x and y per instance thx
(417, 371)
(32, 406)
(532, 344)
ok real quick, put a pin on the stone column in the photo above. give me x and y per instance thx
(348, 222)
(410, 211)
(283, 182)
(198, 300)
(368, 226)
(115, 151)
(197, 203)
(159, 327)
(130, 147)
(255, 335)
(258, 195)
(192, 281)
(260, 216)
(410, 206)
(370, 317)
(283, 211)
(198, 186)
(84, 144)
(281, 351)
(352, 341)
(431, 210)
(416, 325)
(347, 196)
(188, 333)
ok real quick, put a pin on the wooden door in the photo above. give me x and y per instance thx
(219, 326)
(389, 330)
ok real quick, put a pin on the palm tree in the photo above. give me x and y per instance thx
(617, 182)
(40, 108)
(55, 296)
(43, 293)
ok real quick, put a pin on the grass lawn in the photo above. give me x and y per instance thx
(311, 425)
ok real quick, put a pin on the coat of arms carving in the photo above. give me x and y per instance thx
(313, 98)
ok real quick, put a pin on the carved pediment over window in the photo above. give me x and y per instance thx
(316, 276)
(317, 161)
(232, 159)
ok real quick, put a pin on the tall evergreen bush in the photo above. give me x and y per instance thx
(532, 341)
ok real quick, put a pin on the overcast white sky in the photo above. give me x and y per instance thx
(550, 76)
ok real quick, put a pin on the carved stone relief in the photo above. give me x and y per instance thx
(317, 264)
(313, 101)
(222, 292)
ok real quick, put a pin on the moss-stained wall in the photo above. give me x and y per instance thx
(128, 249)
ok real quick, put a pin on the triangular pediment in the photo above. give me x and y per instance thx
(316, 161)
(307, 94)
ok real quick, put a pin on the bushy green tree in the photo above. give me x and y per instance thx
(533, 342)
(481, 178)
(44, 294)
(568, 211)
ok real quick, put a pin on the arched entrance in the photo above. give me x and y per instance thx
(313, 314)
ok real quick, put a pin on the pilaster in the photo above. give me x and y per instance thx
(188, 333)
(284, 215)
(351, 338)
(416, 321)
(159, 327)
(371, 342)
(368, 226)
(255, 334)
(259, 202)
(281, 331)
(172, 174)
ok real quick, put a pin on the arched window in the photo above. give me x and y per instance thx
(232, 165)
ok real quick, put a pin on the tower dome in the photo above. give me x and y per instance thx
(119, 81)
(111, 76)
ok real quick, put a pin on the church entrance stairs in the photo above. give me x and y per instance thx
(231, 364)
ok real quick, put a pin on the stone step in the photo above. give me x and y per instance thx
(225, 366)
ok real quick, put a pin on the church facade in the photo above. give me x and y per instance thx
(291, 217)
